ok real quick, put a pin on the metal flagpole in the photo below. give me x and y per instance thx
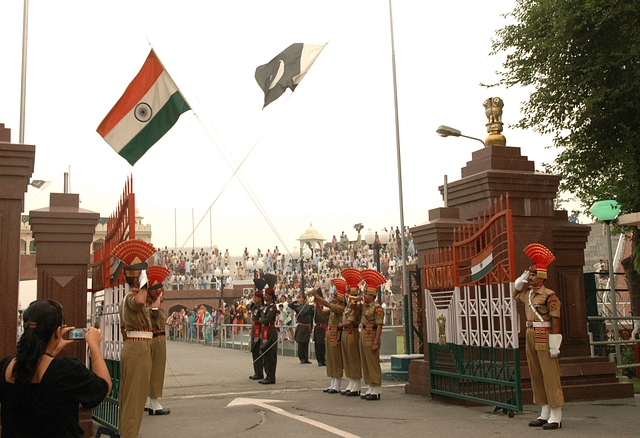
(23, 85)
(175, 228)
(408, 320)
(193, 230)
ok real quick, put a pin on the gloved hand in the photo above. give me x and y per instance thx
(521, 281)
(555, 340)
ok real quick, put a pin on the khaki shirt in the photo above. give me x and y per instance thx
(544, 300)
(372, 313)
(133, 317)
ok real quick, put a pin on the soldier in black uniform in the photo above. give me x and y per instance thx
(319, 333)
(255, 309)
(304, 317)
(269, 341)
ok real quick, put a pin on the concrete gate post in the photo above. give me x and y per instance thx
(63, 233)
(16, 167)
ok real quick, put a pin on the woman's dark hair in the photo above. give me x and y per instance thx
(41, 319)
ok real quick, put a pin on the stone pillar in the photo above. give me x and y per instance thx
(63, 233)
(496, 171)
(16, 167)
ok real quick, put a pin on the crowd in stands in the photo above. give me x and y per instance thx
(194, 269)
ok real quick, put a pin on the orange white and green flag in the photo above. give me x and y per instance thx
(147, 110)
(481, 263)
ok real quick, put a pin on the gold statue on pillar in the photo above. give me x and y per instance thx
(493, 110)
(442, 334)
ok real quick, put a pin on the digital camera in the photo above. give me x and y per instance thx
(77, 334)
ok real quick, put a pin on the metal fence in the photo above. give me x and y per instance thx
(238, 336)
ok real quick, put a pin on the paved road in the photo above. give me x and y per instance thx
(210, 394)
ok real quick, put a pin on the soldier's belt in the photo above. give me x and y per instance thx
(142, 335)
(158, 333)
(369, 326)
(537, 324)
(321, 324)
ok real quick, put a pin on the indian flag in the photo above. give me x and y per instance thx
(147, 110)
(481, 263)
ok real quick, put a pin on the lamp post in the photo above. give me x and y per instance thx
(446, 131)
(260, 266)
(249, 267)
(380, 242)
(306, 255)
(607, 211)
(222, 276)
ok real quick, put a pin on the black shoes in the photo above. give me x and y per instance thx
(332, 391)
(163, 411)
(372, 397)
(267, 381)
(304, 362)
(552, 426)
(326, 390)
(538, 422)
(352, 393)
(322, 364)
(256, 377)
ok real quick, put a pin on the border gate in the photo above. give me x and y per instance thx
(108, 291)
(472, 321)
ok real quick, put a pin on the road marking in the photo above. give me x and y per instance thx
(263, 403)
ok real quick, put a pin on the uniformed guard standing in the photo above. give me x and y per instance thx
(269, 341)
(543, 338)
(156, 275)
(135, 357)
(349, 324)
(332, 342)
(319, 333)
(304, 317)
(255, 309)
(372, 321)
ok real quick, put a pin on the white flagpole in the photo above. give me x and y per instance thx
(405, 284)
(23, 84)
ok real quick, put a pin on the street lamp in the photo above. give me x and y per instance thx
(607, 211)
(222, 275)
(380, 242)
(260, 265)
(249, 267)
(306, 255)
(446, 131)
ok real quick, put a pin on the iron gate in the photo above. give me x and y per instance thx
(472, 322)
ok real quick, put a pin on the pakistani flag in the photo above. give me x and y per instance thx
(147, 110)
(481, 263)
(286, 70)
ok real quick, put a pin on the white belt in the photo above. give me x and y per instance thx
(538, 324)
(139, 334)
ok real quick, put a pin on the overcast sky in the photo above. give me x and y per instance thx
(325, 154)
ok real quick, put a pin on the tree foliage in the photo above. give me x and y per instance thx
(582, 60)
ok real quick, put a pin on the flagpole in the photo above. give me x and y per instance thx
(23, 84)
(175, 228)
(408, 320)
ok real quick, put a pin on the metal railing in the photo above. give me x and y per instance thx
(611, 340)
(238, 336)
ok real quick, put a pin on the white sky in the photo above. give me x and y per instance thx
(325, 154)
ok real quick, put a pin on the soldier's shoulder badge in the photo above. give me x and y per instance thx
(378, 310)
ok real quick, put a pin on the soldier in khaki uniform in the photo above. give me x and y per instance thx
(543, 338)
(351, 333)
(372, 321)
(135, 324)
(332, 342)
(156, 275)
